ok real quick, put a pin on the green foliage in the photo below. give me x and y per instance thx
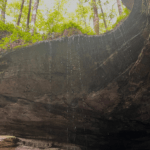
(13, 10)
(53, 21)
(2, 4)
(56, 20)
(17, 33)
(27, 38)
(20, 46)
(87, 30)
(6, 27)
(111, 15)
(82, 12)
(124, 15)
(59, 28)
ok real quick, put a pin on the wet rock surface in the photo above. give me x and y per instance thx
(81, 92)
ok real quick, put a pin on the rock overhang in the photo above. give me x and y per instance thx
(80, 89)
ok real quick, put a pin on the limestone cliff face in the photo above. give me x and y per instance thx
(88, 91)
(128, 3)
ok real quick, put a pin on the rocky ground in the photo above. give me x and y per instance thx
(8, 143)
(13, 143)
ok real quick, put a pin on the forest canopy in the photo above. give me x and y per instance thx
(24, 22)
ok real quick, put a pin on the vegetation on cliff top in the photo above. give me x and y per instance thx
(29, 24)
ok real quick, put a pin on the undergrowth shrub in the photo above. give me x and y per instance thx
(26, 38)
(59, 28)
(17, 33)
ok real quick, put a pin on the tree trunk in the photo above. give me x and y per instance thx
(0, 13)
(19, 18)
(104, 20)
(3, 11)
(33, 20)
(95, 19)
(119, 7)
(85, 22)
(28, 19)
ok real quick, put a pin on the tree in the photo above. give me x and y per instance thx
(96, 18)
(119, 7)
(13, 11)
(55, 17)
(19, 18)
(28, 18)
(59, 9)
(104, 20)
(33, 20)
(0, 8)
(82, 12)
(3, 10)
(106, 15)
